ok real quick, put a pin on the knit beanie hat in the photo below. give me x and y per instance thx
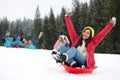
(92, 30)
(7, 32)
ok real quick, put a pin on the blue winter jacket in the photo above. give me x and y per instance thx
(8, 41)
(32, 46)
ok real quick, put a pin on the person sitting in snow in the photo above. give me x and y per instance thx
(7, 39)
(13, 42)
(61, 42)
(81, 52)
(31, 44)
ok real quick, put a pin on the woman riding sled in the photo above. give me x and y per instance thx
(81, 52)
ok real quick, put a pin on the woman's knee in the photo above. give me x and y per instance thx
(73, 49)
(63, 49)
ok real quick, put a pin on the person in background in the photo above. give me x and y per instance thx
(31, 44)
(7, 39)
(13, 42)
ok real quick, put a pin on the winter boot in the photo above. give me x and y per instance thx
(64, 57)
(54, 52)
(73, 64)
(56, 56)
(60, 58)
(40, 34)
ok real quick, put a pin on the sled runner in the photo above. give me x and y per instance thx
(78, 70)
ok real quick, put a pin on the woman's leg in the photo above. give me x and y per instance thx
(36, 41)
(21, 44)
(63, 49)
(74, 54)
(16, 42)
(55, 54)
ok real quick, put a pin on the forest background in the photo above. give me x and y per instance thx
(96, 13)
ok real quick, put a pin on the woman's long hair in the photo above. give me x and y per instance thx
(87, 40)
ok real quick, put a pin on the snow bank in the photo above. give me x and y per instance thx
(26, 64)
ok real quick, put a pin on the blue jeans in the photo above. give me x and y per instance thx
(18, 42)
(73, 55)
(63, 49)
(36, 41)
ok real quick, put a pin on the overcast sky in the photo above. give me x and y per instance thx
(15, 9)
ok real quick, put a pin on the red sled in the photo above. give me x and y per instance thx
(78, 70)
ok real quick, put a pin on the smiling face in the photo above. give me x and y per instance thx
(86, 34)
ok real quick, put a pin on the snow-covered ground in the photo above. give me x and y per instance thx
(25, 64)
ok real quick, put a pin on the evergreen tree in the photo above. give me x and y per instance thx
(84, 15)
(96, 14)
(18, 28)
(62, 22)
(98, 20)
(59, 26)
(4, 26)
(52, 30)
(12, 28)
(112, 9)
(46, 29)
(91, 13)
(28, 28)
(76, 16)
(37, 25)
